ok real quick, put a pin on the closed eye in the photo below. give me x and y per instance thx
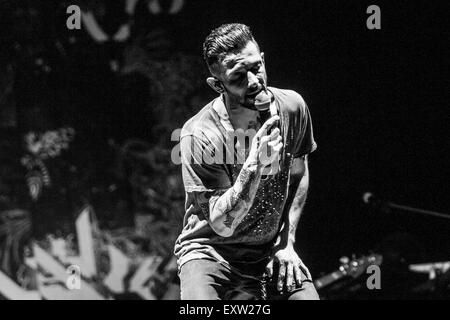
(238, 78)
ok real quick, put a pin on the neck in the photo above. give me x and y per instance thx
(232, 107)
(240, 116)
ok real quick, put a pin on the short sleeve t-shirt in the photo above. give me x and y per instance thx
(210, 132)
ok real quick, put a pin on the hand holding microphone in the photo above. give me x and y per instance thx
(267, 143)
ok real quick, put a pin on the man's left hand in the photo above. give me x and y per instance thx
(290, 268)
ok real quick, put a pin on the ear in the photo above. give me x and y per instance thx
(215, 84)
(262, 57)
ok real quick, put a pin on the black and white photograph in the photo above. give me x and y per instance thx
(254, 151)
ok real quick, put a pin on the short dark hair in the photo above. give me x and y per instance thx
(227, 38)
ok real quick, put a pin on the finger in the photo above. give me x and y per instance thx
(305, 270)
(274, 134)
(281, 276)
(275, 141)
(278, 147)
(269, 268)
(267, 125)
(298, 275)
(290, 277)
(264, 141)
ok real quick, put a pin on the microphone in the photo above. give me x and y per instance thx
(262, 104)
(386, 206)
(368, 197)
(371, 199)
(374, 201)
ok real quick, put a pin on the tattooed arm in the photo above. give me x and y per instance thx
(227, 208)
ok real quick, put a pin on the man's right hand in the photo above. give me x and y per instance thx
(227, 211)
(265, 148)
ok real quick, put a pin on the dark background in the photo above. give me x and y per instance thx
(378, 99)
(379, 102)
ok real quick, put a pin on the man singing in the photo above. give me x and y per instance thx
(238, 237)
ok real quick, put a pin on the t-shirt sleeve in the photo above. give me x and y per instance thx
(198, 171)
(305, 143)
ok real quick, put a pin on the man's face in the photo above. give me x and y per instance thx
(243, 75)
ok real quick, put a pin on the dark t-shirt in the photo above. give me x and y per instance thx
(210, 132)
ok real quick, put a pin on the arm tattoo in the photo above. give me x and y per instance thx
(241, 198)
(228, 222)
(230, 208)
(245, 178)
(205, 209)
(205, 198)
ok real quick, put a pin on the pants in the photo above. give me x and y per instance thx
(203, 279)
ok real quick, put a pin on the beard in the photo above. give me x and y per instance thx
(234, 100)
(245, 101)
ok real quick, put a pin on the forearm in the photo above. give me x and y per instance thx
(228, 209)
(299, 188)
(297, 208)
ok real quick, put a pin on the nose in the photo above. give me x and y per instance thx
(253, 80)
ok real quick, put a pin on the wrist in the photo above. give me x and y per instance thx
(290, 242)
(253, 165)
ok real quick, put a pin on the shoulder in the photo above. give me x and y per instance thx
(290, 100)
(202, 130)
(201, 124)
